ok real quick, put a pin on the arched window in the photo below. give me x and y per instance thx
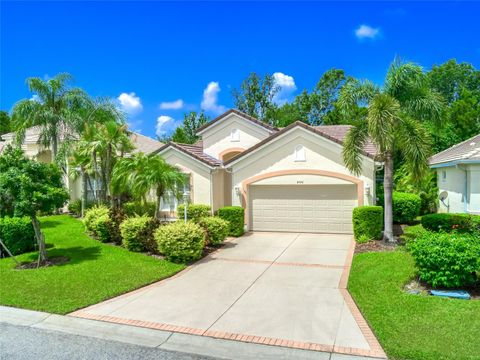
(300, 153)
(235, 135)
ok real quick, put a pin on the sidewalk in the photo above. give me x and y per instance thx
(199, 345)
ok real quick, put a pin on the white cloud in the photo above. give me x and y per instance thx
(35, 97)
(366, 32)
(210, 98)
(130, 103)
(172, 105)
(287, 87)
(164, 124)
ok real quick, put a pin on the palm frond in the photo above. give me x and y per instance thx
(414, 141)
(382, 118)
(353, 145)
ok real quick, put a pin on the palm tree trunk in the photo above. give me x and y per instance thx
(54, 147)
(84, 192)
(388, 191)
(42, 252)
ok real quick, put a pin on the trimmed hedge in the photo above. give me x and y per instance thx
(235, 215)
(406, 207)
(180, 242)
(135, 208)
(97, 221)
(216, 229)
(194, 211)
(367, 223)
(451, 222)
(135, 233)
(17, 234)
(447, 259)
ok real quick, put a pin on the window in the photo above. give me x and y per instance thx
(444, 176)
(172, 199)
(299, 153)
(235, 135)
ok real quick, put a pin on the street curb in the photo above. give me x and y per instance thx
(165, 340)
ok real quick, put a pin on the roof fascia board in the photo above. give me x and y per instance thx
(229, 116)
(453, 163)
(170, 146)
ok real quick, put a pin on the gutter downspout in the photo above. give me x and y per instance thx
(465, 188)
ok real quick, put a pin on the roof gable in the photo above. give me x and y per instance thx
(335, 133)
(242, 115)
(193, 151)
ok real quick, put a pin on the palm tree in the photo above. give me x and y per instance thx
(55, 107)
(393, 123)
(141, 173)
(99, 148)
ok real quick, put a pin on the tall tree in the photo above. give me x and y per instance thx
(55, 108)
(392, 124)
(255, 97)
(5, 123)
(141, 173)
(187, 132)
(27, 187)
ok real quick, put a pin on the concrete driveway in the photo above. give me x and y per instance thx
(285, 289)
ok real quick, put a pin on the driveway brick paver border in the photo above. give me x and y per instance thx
(375, 347)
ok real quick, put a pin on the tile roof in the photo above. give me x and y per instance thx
(243, 115)
(336, 133)
(194, 151)
(144, 143)
(465, 151)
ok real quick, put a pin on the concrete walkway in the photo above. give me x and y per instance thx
(283, 289)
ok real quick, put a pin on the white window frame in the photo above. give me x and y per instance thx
(235, 135)
(299, 154)
(443, 176)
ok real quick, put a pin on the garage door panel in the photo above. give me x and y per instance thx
(304, 208)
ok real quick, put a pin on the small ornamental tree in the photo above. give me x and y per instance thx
(27, 187)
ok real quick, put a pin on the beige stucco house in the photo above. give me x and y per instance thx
(33, 149)
(290, 179)
(458, 177)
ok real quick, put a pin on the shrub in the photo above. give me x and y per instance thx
(235, 215)
(410, 233)
(194, 211)
(97, 221)
(133, 231)
(406, 207)
(116, 216)
(216, 229)
(17, 234)
(449, 222)
(180, 242)
(367, 223)
(75, 207)
(135, 208)
(447, 259)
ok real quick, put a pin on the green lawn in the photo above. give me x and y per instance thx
(412, 326)
(94, 273)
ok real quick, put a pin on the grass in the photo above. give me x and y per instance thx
(412, 326)
(94, 273)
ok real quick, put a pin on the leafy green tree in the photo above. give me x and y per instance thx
(27, 187)
(187, 132)
(141, 173)
(255, 97)
(5, 123)
(55, 109)
(392, 124)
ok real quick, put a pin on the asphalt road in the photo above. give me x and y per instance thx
(19, 342)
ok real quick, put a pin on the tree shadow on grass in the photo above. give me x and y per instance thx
(75, 255)
(49, 224)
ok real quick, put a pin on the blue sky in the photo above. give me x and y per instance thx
(159, 60)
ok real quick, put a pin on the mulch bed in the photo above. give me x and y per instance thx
(374, 246)
(60, 260)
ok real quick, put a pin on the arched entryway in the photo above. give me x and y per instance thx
(230, 153)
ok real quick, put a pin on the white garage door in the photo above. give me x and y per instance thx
(302, 208)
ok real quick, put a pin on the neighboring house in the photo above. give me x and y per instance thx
(458, 177)
(33, 149)
(290, 179)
